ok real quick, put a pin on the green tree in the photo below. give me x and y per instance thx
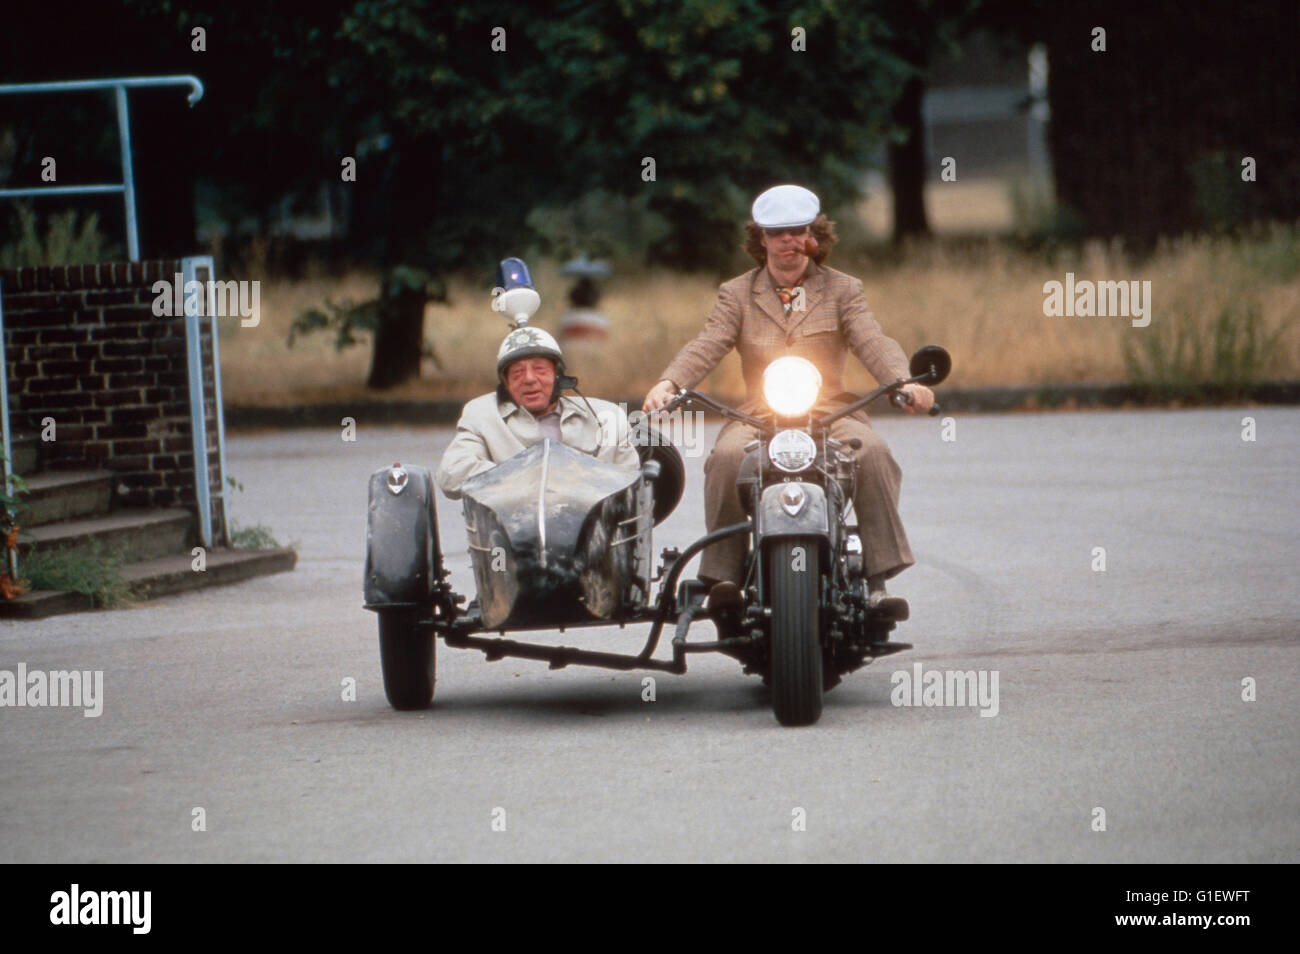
(693, 107)
(456, 142)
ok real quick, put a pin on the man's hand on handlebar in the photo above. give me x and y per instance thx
(922, 398)
(659, 395)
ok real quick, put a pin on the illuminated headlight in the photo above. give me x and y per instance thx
(792, 451)
(790, 385)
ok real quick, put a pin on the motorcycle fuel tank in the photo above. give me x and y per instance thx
(553, 537)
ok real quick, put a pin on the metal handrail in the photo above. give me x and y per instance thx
(11, 556)
(127, 186)
(194, 312)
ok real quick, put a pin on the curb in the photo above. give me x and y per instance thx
(154, 578)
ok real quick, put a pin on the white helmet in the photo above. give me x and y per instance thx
(528, 342)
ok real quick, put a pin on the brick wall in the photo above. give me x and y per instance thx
(84, 348)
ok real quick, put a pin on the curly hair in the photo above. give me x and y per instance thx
(823, 229)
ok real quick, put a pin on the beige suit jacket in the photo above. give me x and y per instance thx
(749, 317)
(491, 431)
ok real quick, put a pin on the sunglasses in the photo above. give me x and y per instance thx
(776, 233)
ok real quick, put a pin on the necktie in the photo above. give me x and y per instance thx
(786, 293)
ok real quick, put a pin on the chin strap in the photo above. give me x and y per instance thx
(569, 382)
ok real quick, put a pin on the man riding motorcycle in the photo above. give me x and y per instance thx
(526, 407)
(793, 304)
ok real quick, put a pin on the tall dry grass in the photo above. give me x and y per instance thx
(983, 302)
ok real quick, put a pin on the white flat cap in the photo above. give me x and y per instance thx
(785, 206)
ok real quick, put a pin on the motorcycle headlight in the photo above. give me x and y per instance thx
(792, 451)
(791, 385)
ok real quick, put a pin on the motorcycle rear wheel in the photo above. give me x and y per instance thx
(407, 656)
(794, 581)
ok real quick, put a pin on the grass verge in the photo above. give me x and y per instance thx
(256, 537)
(97, 574)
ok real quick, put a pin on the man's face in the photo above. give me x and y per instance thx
(531, 382)
(785, 247)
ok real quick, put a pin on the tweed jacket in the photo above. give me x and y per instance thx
(749, 317)
(491, 431)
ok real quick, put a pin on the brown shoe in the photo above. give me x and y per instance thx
(890, 607)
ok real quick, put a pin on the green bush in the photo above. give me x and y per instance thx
(600, 224)
(1218, 192)
(97, 574)
(1272, 253)
(1179, 357)
(65, 243)
(256, 537)
(1039, 217)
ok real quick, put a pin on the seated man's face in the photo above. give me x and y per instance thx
(531, 382)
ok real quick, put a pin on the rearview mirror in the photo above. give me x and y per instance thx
(931, 360)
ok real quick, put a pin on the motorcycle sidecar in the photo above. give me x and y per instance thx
(556, 538)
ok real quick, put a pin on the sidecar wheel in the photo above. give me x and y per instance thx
(407, 656)
(796, 650)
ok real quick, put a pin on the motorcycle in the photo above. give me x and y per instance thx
(559, 540)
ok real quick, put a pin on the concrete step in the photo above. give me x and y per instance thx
(137, 534)
(176, 574)
(23, 447)
(66, 495)
(159, 577)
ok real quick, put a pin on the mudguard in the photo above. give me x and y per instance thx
(811, 517)
(403, 553)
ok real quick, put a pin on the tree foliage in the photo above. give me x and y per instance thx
(583, 94)
(461, 148)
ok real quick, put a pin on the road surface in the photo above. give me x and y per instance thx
(1119, 707)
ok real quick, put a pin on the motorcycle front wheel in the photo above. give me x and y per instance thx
(794, 584)
(407, 658)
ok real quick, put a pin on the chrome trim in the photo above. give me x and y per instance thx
(541, 502)
(397, 478)
(793, 499)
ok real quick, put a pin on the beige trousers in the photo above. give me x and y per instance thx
(875, 501)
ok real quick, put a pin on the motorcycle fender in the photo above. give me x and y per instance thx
(402, 548)
(775, 521)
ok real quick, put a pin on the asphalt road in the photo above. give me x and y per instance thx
(1119, 690)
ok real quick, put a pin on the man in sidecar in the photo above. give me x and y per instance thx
(528, 406)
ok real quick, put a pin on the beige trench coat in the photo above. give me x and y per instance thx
(491, 431)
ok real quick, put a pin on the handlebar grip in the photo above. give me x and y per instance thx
(899, 398)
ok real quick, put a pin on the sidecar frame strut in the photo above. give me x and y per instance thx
(560, 656)
(457, 635)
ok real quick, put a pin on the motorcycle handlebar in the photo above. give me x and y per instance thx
(687, 396)
(899, 398)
